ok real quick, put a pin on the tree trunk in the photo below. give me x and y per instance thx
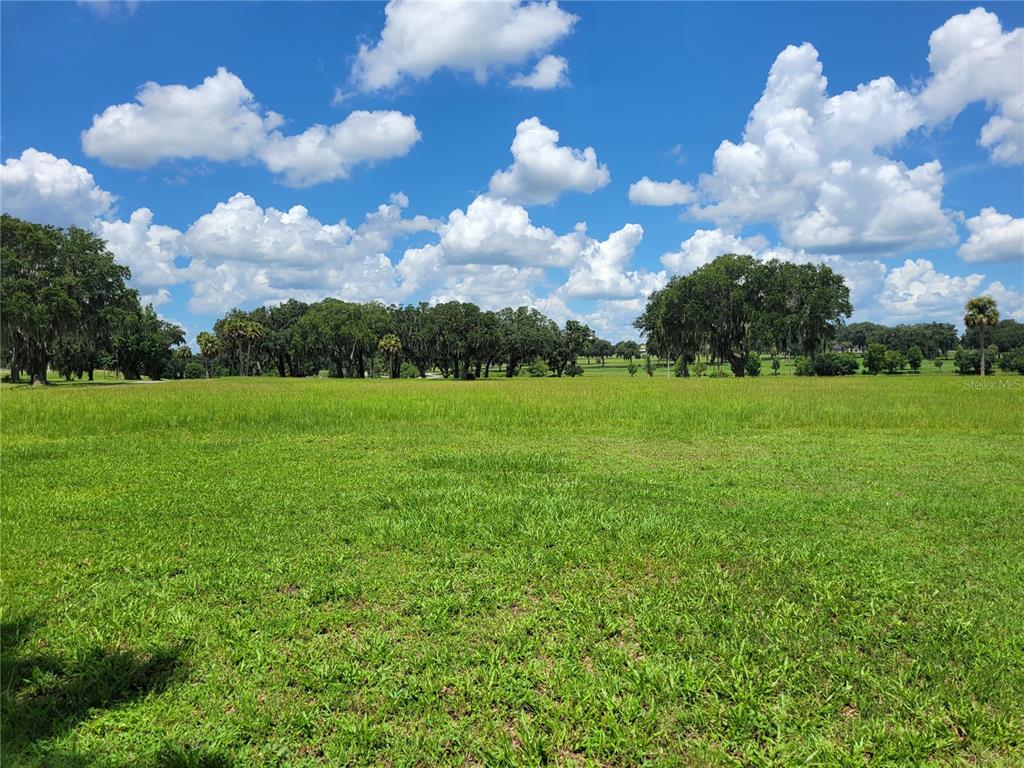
(981, 335)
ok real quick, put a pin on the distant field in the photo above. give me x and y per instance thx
(599, 571)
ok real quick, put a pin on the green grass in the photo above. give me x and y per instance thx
(598, 571)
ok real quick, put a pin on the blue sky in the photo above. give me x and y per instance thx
(884, 140)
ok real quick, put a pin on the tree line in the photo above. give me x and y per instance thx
(64, 305)
(357, 340)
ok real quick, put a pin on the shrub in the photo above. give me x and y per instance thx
(632, 367)
(968, 361)
(649, 366)
(874, 358)
(938, 364)
(1013, 361)
(803, 366)
(753, 366)
(537, 369)
(194, 370)
(914, 358)
(573, 369)
(893, 360)
(718, 373)
(835, 364)
(677, 369)
(408, 371)
(775, 366)
(700, 368)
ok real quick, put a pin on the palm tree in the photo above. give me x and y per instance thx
(390, 346)
(981, 312)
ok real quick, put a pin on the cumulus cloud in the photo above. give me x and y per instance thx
(494, 231)
(242, 252)
(148, 249)
(994, 237)
(600, 272)
(551, 72)
(917, 290)
(648, 192)
(220, 120)
(41, 187)
(420, 38)
(706, 245)
(542, 170)
(809, 163)
(973, 59)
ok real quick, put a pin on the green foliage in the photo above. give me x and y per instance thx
(61, 293)
(938, 364)
(775, 366)
(914, 358)
(968, 362)
(537, 369)
(409, 371)
(194, 370)
(981, 314)
(874, 358)
(632, 368)
(803, 366)
(893, 361)
(737, 304)
(1012, 361)
(573, 369)
(753, 366)
(835, 364)
(700, 368)
(649, 366)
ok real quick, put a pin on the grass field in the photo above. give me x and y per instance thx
(598, 571)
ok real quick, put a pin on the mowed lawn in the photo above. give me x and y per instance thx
(601, 571)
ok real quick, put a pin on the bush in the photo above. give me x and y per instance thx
(803, 366)
(573, 370)
(632, 368)
(408, 371)
(194, 370)
(700, 368)
(775, 366)
(874, 358)
(835, 364)
(938, 365)
(914, 358)
(753, 366)
(893, 360)
(1013, 361)
(968, 362)
(718, 373)
(677, 369)
(537, 369)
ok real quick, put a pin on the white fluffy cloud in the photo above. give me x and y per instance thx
(809, 164)
(325, 153)
(41, 187)
(648, 192)
(420, 38)
(916, 290)
(973, 59)
(600, 272)
(551, 72)
(494, 231)
(220, 120)
(542, 170)
(706, 245)
(146, 248)
(994, 237)
(242, 252)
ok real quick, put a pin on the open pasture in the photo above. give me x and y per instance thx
(601, 571)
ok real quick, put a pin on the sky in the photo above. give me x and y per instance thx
(567, 156)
